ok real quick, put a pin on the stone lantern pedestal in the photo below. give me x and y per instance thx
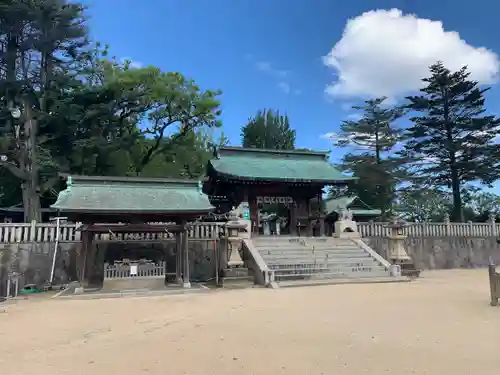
(397, 254)
(233, 270)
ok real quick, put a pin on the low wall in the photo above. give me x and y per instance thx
(444, 252)
(34, 261)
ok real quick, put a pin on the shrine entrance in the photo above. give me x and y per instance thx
(273, 186)
(274, 215)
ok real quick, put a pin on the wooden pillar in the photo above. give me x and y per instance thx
(310, 220)
(321, 215)
(254, 212)
(322, 226)
(179, 238)
(293, 218)
(90, 261)
(83, 257)
(185, 250)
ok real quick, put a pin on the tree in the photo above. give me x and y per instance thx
(40, 40)
(425, 204)
(419, 205)
(482, 205)
(452, 142)
(372, 137)
(268, 129)
(83, 112)
(167, 105)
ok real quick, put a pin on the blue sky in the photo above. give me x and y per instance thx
(269, 53)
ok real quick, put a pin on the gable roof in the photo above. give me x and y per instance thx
(276, 165)
(104, 194)
(356, 205)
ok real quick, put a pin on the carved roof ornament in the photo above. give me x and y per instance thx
(345, 214)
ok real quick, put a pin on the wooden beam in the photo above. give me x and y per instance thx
(132, 217)
(131, 228)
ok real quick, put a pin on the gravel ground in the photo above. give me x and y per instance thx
(441, 324)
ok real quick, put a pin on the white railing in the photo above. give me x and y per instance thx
(68, 232)
(121, 271)
(46, 232)
(379, 229)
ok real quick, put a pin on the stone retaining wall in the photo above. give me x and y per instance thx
(444, 252)
(34, 261)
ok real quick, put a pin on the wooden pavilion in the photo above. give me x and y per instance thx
(256, 177)
(129, 205)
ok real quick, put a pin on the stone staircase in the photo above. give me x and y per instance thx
(321, 260)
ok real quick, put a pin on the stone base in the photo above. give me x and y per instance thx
(235, 272)
(79, 290)
(408, 268)
(395, 270)
(236, 278)
(346, 229)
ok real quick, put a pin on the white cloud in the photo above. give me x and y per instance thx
(282, 76)
(267, 67)
(386, 53)
(285, 87)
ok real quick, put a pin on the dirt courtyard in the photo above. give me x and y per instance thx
(441, 324)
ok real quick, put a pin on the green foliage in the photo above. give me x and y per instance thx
(424, 204)
(268, 129)
(451, 142)
(419, 205)
(91, 113)
(372, 138)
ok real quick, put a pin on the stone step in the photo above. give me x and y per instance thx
(364, 280)
(283, 249)
(311, 251)
(237, 282)
(303, 244)
(332, 268)
(331, 275)
(278, 257)
(347, 263)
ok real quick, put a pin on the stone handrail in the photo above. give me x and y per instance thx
(372, 252)
(264, 275)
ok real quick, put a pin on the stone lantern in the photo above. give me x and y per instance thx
(234, 242)
(397, 253)
(233, 267)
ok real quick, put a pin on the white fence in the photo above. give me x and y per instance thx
(378, 229)
(68, 232)
(121, 271)
(46, 232)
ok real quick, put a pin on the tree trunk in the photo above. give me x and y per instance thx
(458, 213)
(31, 203)
(31, 196)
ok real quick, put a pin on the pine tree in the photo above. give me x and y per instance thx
(268, 129)
(452, 141)
(373, 137)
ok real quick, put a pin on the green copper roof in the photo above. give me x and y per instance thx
(356, 205)
(276, 165)
(95, 194)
